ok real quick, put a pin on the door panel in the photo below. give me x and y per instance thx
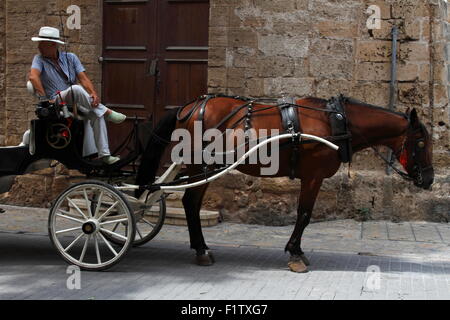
(183, 51)
(188, 21)
(187, 79)
(128, 48)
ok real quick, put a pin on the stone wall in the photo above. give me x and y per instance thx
(21, 20)
(322, 48)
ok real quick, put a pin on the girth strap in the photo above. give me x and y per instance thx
(291, 124)
(339, 128)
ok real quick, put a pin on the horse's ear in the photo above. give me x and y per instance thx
(413, 118)
(407, 111)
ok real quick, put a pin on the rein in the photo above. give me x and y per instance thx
(391, 163)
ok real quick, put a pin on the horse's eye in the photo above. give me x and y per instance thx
(421, 144)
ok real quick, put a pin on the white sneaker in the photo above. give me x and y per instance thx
(116, 117)
(110, 159)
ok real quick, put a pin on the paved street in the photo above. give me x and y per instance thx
(413, 260)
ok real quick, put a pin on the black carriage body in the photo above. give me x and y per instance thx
(16, 160)
(69, 155)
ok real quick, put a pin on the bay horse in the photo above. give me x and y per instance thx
(369, 126)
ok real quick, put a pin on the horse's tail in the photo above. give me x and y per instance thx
(151, 157)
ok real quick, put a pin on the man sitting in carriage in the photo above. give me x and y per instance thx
(54, 74)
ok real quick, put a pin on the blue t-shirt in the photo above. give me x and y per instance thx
(52, 79)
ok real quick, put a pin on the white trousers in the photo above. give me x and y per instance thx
(95, 131)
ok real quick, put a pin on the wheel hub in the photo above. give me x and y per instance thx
(90, 227)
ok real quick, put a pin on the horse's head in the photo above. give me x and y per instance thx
(417, 154)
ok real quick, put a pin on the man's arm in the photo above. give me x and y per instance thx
(87, 84)
(35, 78)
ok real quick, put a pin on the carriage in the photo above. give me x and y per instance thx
(94, 223)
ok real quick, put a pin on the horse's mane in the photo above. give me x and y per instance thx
(372, 106)
(354, 101)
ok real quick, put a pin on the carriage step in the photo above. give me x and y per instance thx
(176, 216)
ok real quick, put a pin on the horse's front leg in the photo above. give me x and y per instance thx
(192, 202)
(308, 195)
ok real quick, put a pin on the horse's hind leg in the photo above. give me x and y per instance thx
(308, 194)
(192, 202)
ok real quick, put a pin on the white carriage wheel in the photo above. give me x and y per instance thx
(149, 221)
(81, 217)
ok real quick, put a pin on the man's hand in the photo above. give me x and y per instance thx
(95, 100)
(87, 84)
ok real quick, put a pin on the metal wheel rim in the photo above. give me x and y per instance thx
(156, 226)
(142, 236)
(98, 237)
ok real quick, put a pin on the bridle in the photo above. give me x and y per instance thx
(418, 148)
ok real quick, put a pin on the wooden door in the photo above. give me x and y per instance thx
(154, 57)
(182, 52)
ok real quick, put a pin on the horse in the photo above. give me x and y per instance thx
(368, 125)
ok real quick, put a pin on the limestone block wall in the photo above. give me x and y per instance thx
(322, 48)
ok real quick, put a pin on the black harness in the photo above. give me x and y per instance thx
(339, 128)
(289, 119)
(291, 124)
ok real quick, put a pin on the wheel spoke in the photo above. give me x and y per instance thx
(76, 207)
(108, 244)
(69, 218)
(114, 234)
(97, 251)
(108, 211)
(73, 242)
(88, 204)
(99, 202)
(113, 221)
(85, 248)
(114, 217)
(68, 230)
(115, 227)
(139, 232)
(149, 223)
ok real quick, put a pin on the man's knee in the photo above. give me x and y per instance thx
(77, 89)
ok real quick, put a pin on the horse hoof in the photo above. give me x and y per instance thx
(297, 266)
(205, 259)
(304, 259)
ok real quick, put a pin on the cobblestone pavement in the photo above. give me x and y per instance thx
(413, 259)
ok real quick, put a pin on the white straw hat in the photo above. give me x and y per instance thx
(48, 34)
